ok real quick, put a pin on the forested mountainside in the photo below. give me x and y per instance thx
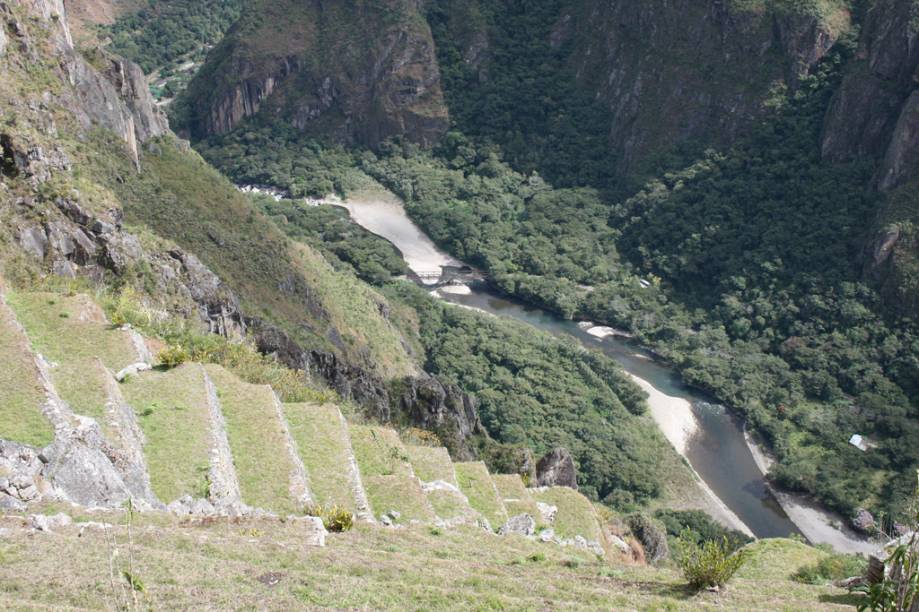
(750, 162)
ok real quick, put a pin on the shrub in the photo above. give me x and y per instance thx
(173, 356)
(334, 519)
(831, 568)
(710, 564)
(652, 537)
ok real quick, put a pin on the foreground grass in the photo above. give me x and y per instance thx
(262, 565)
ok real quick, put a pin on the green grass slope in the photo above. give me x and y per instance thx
(576, 515)
(323, 443)
(178, 195)
(257, 441)
(517, 498)
(21, 392)
(475, 481)
(387, 475)
(171, 407)
(71, 332)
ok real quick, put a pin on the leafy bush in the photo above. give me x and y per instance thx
(832, 568)
(173, 356)
(335, 519)
(710, 564)
(700, 527)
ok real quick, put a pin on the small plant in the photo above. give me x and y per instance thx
(831, 568)
(537, 557)
(173, 356)
(899, 589)
(709, 564)
(134, 582)
(334, 519)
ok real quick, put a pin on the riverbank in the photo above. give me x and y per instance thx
(819, 526)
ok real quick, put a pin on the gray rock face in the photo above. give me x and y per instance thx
(49, 524)
(81, 472)
(3, 41)
(652, 538)
(371, 74)
(729, 59)
(874, 113)
(522, 524)
(22, 481)
(556, 469)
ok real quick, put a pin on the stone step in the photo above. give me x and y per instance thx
(516, 496)
(22, 395)
(476, 483)
(72, 334)
(434, 468)
(391, 485)
(325, 447)
(270, 472)
(173, 412)
(575, 515)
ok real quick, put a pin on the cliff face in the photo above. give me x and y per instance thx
(876, 111)
(358, 74)
(681, 71)
(875, 115)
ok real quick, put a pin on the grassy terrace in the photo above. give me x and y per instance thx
(257, 442)
(71, 332)
(323, 443)
(219, 566)
(387, 475)
(517, 498)
(21, 393)
(576, 515)
(431, 463)
(476, 483)
(171, 407)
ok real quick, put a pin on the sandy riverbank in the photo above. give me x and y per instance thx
(384, 215)
(817, 524)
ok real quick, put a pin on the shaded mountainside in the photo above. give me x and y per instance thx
(357, 74)
(92, 183)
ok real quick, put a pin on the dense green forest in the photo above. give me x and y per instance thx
(521, 97)
(330, 229)
(543, 391)
(750, 292)
(165, 34)
(736, 267)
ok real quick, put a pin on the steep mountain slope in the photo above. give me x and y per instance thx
(875, 115)
(354, 73)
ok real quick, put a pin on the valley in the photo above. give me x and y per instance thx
(459, 305)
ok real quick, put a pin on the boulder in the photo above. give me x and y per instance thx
(864, 521)
(132, 370)
(652, 537)
(42, 522)
(522, 524)
(557, 469)
(547, 511)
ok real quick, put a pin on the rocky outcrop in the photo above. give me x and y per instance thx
(688, 71)
(359, 74)
(423, 401)
(875, 113)
(653, 538)
(557, 469)
(117, 98)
